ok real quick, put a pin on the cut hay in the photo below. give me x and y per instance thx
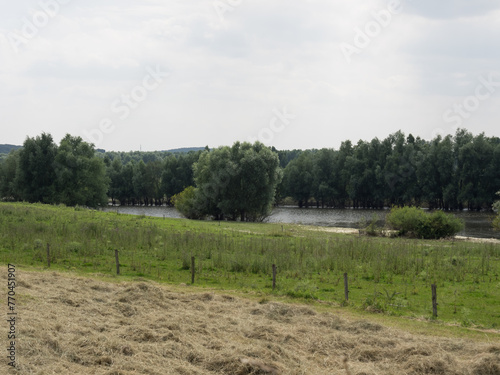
(74, 325)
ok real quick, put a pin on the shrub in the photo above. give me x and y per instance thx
(371, 229)
(406, 220)
(186, 203)
(413, 222)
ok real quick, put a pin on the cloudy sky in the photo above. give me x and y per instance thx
(162, 74)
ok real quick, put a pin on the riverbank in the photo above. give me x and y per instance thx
(477, 224)
(358, 232)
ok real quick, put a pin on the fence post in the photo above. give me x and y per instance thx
(192, 270)
(274, 276)
(117, 262)
(48, 255)
(346, 287)
(434, 301)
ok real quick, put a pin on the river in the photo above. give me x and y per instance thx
(477, 224)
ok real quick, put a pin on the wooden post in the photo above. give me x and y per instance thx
(192, 270)
(117, 262)
(48, 255)
(274, 276)
(434, 301)
(346, 287)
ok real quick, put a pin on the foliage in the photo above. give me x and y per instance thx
(186, 203)
(177, 173)
(8, 171)
(446, 173)
(440, 225)
(43, 172)
(35, 174)
(414, 222)
(80, 175)
(148, 178)
(298, 178)
(237, 182)
(371, 228)
(452, 172)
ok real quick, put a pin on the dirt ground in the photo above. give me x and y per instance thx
(75, 325)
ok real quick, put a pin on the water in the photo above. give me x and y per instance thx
(477, 224)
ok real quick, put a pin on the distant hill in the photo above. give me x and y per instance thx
(185, 149)
(5, 149)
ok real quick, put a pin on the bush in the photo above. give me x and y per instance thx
(406, 220)
(372, 229)
(413, 222)
(186, 203)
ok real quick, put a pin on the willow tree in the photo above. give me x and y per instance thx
(236, 182)
(35, 170)
(80, 175)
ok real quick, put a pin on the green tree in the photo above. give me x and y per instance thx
(177, 173)
(342, 174)
(299, 179)
(126, 184)
(437, 174)
(401, 169)
(496, 207)
(153, 178)
(366, 183)
(323, 177)
(140, 183)
(80, 175)
(114, 171)
(476, 185)
(35, 174)
(237, 182)
(8, 171)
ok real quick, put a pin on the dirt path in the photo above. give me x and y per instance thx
(74, 325)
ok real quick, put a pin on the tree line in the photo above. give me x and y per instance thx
(451, 172)
(75, 173)
(41, 171)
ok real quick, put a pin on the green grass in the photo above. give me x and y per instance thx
(390, 276)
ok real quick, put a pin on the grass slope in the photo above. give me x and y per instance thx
(389, 276)
(82, 325)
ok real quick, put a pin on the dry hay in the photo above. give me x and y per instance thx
(73, 325)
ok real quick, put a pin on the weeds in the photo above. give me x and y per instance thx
(310, 263)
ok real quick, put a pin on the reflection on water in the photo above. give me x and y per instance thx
(477, 224)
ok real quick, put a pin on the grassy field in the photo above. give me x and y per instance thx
(389, 276)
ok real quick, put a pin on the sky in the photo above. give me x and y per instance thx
(162, 74)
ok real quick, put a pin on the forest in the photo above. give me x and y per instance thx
(454, 172)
